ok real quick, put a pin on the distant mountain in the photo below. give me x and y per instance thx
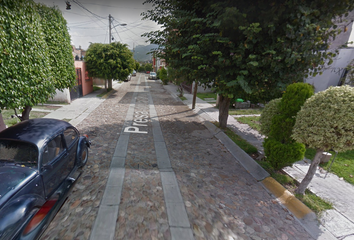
(140, 52)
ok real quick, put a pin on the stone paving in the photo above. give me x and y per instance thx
(222, 200)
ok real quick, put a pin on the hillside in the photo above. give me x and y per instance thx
(141, 51)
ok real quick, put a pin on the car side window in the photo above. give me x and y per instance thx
(70, 136)
(52, 150)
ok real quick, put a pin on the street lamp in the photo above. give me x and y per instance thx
(110, 28)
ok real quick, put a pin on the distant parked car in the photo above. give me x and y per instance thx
(153, 75)
(134, 73)
(147, 72)
(128, 78)
(40, 161)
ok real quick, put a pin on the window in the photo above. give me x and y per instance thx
(19, 152)
(70, 136)
(52, 150)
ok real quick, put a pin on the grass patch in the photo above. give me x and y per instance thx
(343, 165)
(95, 88)
(252, 121)
(56, 102)
(104, 93)
(9, 121)
(183, 98)
(206, 95)
(249, 111)
(314, 202)
(243, 144)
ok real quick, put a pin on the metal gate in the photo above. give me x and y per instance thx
(76, 91)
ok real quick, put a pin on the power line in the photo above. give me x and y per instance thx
(82, 6)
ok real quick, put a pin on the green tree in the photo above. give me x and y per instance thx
(163, 76)
(325, 122)
(148, 67)
(109, 61)
(141, 68)
(59, 47)
(244, 48)
(137, 65)
(25, 70)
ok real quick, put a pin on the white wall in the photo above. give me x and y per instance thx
(62, 96)
(332, 75)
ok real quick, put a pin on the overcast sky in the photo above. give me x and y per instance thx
(89, 22)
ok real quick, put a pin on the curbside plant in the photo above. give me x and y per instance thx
(280, 148)
(163, 76)
(325, 122)
(270, 109)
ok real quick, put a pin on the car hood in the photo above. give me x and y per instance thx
(13, 178)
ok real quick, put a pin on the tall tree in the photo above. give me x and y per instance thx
(246, 49)
(109, 61)
(25, 70)
(57, 37)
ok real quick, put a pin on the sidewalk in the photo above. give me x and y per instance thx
(80, 108)
(338, 221)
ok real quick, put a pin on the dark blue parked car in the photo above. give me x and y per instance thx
(40, 160)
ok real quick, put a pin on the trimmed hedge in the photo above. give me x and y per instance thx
(280, 148)
(270, 110)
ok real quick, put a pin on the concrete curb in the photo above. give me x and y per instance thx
(108, 94)
(294, 205)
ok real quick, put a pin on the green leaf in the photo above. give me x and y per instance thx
(253, 63)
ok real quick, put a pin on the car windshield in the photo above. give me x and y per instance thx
(153, 74)
(17, 152)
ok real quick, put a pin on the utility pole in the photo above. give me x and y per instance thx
(110, 37)
(110, 27)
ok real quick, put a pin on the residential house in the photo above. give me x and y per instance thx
(335, 74)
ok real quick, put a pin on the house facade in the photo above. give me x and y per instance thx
(84, 84)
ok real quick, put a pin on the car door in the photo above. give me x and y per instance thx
(53, 164)
(71, 137)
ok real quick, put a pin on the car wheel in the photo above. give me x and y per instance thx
(84, 156)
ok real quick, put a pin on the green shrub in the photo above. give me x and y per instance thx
(163, 76)
(280, 155)
(291, 102)
(280, 148)
(326, 120)
(270, 110)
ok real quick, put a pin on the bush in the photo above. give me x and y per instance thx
(326, 120)
(291, 102)
(280, 148)
(270, 110)
(280, 155)
(163, 76)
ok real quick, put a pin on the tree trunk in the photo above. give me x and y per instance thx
(224, 104)
(25, 113)
(2, 123)
(217, 100)
(109, 84)
(195, 90)
(180, 90)
(310, 173)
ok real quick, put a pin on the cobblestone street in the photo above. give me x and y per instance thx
(221, 199)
